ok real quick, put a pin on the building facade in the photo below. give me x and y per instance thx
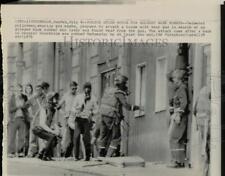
(147, 66)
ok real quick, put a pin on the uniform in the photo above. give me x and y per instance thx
(202, 113)
(111, 112)
(178, 125)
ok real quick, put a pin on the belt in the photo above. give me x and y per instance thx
(108, 106)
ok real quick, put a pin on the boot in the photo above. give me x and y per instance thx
(110, 152)
(102, 152)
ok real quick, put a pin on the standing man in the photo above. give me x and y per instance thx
(85, 106)
(111, 110)
(19, 117)
(178, 120)
(35, 102)
(68, 132)
(202, 114)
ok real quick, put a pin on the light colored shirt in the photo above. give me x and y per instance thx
(67, 100)
(84, 109)
(20, 101)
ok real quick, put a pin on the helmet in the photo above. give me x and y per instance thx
(120, 79)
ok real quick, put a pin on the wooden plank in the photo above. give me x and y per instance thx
(124, 161)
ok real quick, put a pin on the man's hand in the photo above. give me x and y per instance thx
(141, 108)
(56, 132)
(94, 141)
(177, 118)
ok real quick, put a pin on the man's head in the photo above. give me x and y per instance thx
(52, 99)
(121, 81)
(19, 89)
(29, 89)
(87, 88)
(38, 90)
(45, 87)
(178, 77)
(73, 87)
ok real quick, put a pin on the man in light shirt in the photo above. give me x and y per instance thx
(84, 108)
(68, 132)
(19, 119)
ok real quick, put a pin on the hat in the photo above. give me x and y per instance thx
(87, 85)
(45, 85)
(178, 73)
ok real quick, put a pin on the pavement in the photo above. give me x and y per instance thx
(69, 167)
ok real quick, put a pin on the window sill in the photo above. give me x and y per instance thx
(158, 111)
(139, 114)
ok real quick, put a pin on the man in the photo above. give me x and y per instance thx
(19, 118)
(45, 87)
(35, 102)
(10, 120)
(202, 114)
(43, 129)
(113, 100)
(84, 108)
(68, 132)
(178, 120)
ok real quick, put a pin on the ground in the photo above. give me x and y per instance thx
(28, 167)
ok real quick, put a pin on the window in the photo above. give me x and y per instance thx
(161, 84)
(140, 93)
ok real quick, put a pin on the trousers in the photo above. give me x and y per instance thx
(47, 136)
(110, 133)
(177, 140)
(18, 128)
(82, 126)
(33, 142)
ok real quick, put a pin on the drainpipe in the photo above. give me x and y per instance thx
(123, 69)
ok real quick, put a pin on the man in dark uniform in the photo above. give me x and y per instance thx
(111, 110)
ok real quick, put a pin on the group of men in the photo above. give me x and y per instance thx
(84, 121)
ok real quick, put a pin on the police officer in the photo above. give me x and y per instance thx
(202, 114)
(112, 102)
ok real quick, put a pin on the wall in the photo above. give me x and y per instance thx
(148, 134)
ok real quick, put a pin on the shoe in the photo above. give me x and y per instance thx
(173, 165)
(40, 156)
(44, 158)
(11, 155)
(50, 159)
(20, 155)
(76, 159)
(87, 159)
(181, 165)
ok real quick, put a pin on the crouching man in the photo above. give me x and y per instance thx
(43, 129)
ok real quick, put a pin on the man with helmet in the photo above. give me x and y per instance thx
(111, 110)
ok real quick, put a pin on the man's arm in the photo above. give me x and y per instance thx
(125, 104)
(95, 106)
(12, 106)
(43, 118)
(61, 103)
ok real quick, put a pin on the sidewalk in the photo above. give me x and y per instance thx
(81, 167)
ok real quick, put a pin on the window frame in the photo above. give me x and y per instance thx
(138, 87)
(159, 107)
